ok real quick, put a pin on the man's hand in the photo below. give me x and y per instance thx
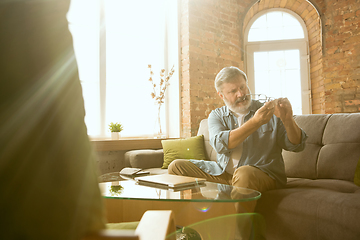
(283, 109)
(264, 114)
(261, 116)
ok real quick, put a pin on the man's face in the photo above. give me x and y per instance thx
(234, 95)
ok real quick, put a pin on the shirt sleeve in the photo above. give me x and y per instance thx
(218, 133)
(285, 143)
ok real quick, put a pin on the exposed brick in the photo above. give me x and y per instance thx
(290, 3)
(271, 3)
(283, 3)
(304, 13)
(261, 5)
(212, 37)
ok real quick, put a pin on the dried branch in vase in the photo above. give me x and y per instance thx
(158, 92)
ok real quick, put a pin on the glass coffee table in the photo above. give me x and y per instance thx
(127, 201)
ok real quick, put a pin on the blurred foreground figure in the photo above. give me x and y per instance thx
(48, 180)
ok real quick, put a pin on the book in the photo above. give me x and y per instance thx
(165, 187)
(170, 181)
(133, 172)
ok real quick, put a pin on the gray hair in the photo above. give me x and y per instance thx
(228, 74)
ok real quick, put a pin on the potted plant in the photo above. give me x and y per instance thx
(115, 129)
(116, 189)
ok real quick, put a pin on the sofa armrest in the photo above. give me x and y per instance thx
(144, 158)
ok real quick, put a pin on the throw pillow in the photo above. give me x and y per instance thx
(188, 148)
(357, 174)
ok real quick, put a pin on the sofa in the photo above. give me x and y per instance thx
(320, 200)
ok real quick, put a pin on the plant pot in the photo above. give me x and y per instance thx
(115, 135)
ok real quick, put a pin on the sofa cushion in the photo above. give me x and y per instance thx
(332, 149)
(144, 158)
(340, 186)
(303, 164)
(189, 148)
(338, 161)
(204, 130)
(312, 209)
(340, 154)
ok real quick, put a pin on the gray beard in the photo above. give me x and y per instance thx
(239, 110)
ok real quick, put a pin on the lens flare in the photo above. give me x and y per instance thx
(204, 207)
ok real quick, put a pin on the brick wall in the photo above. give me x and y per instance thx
(212, 38)
(341, 58)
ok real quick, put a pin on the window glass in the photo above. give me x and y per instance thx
(275, 25)
(277, 74)
(135, 37)
(133, 42)
(84, 24)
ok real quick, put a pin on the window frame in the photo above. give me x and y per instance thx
(301, 44)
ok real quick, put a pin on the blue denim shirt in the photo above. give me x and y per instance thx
(262, 149)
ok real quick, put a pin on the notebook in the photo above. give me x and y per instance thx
(170, 181)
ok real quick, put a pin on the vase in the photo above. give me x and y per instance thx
(115, 135)
(158, 133)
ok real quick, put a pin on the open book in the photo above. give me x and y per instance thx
(133, 172)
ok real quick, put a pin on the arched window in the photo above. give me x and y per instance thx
(277, 57)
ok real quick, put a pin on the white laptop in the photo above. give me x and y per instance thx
(170, 181)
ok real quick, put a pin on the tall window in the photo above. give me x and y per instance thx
(114, 42)
(277, 58)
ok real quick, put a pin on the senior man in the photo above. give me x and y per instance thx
(248, 136)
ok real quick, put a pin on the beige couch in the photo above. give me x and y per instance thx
(320, 200)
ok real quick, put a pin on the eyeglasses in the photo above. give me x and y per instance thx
(261, 97)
